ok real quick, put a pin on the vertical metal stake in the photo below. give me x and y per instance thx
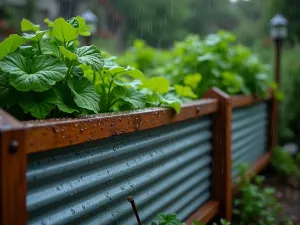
(131, 200)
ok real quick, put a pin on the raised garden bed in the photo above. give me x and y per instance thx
(80, 171)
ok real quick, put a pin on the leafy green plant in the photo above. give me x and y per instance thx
(46, 74)
(171, 219)
(285, 164)
(200, 64)
(255, 204)
(167, 219)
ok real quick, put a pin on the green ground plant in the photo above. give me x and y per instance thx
(46, 74)
(255, 205)
(172, 219)
(285, 164)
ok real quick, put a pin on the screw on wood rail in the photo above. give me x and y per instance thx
(131, 200)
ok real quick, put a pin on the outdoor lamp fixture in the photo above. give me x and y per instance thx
(91, 20)
(278, 27)
(278, 32)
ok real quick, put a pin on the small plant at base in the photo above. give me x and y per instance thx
(256, 205)
(285, 164)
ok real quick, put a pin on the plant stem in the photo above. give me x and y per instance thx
(39, 47)
(112, 104)
(70, 70)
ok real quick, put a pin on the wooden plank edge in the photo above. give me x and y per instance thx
(204, 214)
(258, 166)
(239, 101)
(8, 123)
(45, 135)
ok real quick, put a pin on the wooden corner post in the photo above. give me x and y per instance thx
(12, 171)
(222, 181)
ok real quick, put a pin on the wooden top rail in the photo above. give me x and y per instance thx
(239, 101)
(42, 135)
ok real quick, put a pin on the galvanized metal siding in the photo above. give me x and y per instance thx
(249, 134)
(166, 169)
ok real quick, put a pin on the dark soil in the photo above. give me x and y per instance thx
(288, 194)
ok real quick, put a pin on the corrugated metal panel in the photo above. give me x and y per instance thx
(166, 169)
(249, 134)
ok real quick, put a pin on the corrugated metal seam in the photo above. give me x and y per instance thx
(166, 169)
(249, 134)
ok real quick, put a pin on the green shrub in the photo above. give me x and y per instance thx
(285, 164)
(255, 205)
(171, 219)
(45, 74)
(200, 64)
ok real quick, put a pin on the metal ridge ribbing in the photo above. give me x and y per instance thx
(249, 134)
(89, 183)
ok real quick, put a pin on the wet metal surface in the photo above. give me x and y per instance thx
(166, 169)
(249, 134)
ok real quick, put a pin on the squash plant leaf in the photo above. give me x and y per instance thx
(83, 29)
(39, 74)
(37, 37)
(170, 102)
(131, 96)
(49, 48)
(156, 84)
(192, 80)
(85, 95)
(7, 92)
(64, 31)
(39, 105)
(49, 23)
(68, 54)
(65, 101)
(27, 25)
(10, 45)
(90, 55)
(185, 91)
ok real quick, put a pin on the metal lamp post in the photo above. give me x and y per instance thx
(91, 20)
(278, 33)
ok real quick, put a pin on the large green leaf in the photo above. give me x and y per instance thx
(156, 84)
(131, 96)
(185, 91)
(170, 102)
(26, 25)
(7, 93)
(64, 31)
(49, 22)
(39, 74)
(65, 101)
(83, 29)
(90, 55)
(10, 44)
(49, 48)
(85, 95)
(39, 105)
(68, 54)
(192, 80)
(37, 37)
